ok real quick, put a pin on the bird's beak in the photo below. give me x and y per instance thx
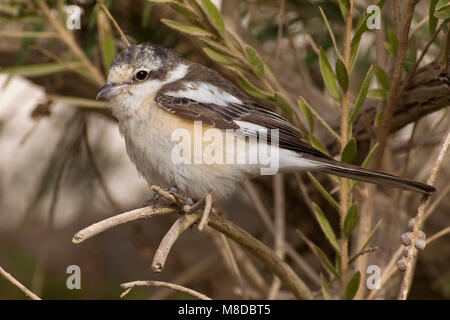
(110, 90)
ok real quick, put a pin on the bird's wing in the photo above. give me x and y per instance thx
(198, 100)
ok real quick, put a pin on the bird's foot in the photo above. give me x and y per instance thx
(172, 195)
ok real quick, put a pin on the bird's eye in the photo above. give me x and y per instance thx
(141, 75)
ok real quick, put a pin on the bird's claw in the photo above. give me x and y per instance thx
(172, 194)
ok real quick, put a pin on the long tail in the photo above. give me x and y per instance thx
(358, 173)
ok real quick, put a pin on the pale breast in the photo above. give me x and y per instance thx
(152, 136)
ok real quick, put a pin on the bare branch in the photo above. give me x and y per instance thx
(99, 227)
(11, 279)
(184, 222)
(418, 222)
(130, 285)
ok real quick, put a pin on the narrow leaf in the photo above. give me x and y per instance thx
(349, 152)
(320, 255)
(324, 192)
(251, 89)
(36, 70)
(354, 51)
(328, 76)
(217, 57)
(326, 227)
(442, 10)
(382, 77)
(186, 28)
(316, 144)
(351, 218)
(369, 157)
(330, 31)
(432, 22)
(342, 75)
(106, 39)
(282, 102)
(379, 94)
(255, 60)
(369, 238)
(362, 94)
(344, 5)
(325, 289)
(321, 120)
(393, 40)
(352, 286)
(307, 114)
(214, 16)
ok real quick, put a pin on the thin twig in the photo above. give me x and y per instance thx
(416, 65)
(243, 238)
(280, 213)
(437, 235)
(181, 225)
(96, 168)
(130, 285)
(116, 25)
(265, 217)
(345, 131)
(418, 222)
(68, 39)
(395, 85)
(11, 279)
(99, 227)
(234, 265)
(206, 212)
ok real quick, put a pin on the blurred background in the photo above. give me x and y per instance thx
(63, 164)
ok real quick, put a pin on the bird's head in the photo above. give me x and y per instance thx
(140, 71)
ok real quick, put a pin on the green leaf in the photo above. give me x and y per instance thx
(214, 16)
(106, 39)
(326, 227)
(185, 11)
(217, 57)
(330, 31)
(251, 89)
(369, 157)
(80, 102)
(324, 192)
(352, 286)
(369, 237)
(351, 218)
(321, 120)
(382, 77)
(354, 51)
(282, 102)
(393, 42)
(186, 28)
(342, 75)
(344, 5)
(255, 60)
(432, 20)
(349, 152)
(442, 9)
(36, 70)
(316, 144)
(162, 1)
(365, 164)
(328, 76)
(216, 47)
(320, 255)
(307, 114)
(325, 289)
(379, 94)
(27, 34)
(362, 94)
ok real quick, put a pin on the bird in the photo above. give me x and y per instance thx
(160, 98)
